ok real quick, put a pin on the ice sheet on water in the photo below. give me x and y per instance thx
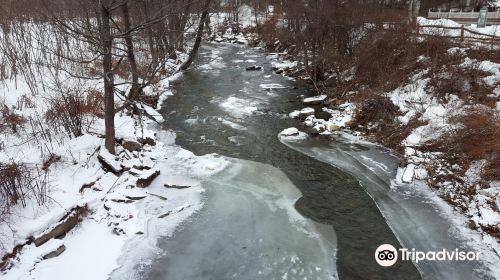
(271, 86)
(249, 222)
(232, 124)
(239, 107)
(419, 218)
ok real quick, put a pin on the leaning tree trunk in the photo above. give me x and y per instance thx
(199, 35)
(109, 98)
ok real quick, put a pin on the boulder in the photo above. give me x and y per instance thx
(312, 131)
(108, 161)
(146, 178)
(323, 115)
(295, 114)
(147, 141)
(254, 68)
(63, 227)
(131, 145)
(292, 131)
(306, 112)
(316, 130)
(333, 127)
(315, 100)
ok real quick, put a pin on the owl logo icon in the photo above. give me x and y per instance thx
(386, 255)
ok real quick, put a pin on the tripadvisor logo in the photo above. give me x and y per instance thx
(386, 255)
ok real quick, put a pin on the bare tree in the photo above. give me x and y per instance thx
(107, 30)
(199, 35)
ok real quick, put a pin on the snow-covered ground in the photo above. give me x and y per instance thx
(124, 219)
(122, 213)
(488, 30)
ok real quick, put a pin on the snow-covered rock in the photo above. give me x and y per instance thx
(146, 177)
(109, 161)
(315, 100)
(333, 127)
(284, 65)
(295, 114)
(306, 112)
(408, 174)
(292, 131)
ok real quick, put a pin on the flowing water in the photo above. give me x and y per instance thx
(250, 226)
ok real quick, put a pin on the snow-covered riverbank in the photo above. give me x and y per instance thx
(117, 208)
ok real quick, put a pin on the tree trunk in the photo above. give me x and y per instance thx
(199, 35)
(413, 11)
(184, 20)
(149, 34)
(134, 90)
(109, 98)
(416, 9)
(410, 11)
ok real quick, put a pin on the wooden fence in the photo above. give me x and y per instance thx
(465, 34)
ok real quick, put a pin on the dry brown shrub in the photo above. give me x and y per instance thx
(150, 100)
(9, 119)
(480, 134)
(444, 68)
(384, 59)
(477, 138)
(436, 50)
(121, 68)
(375, 109)
(481, 54)
(94, 103)
(71, 111)
(493, 230)
(377, 116)
(51, 159)
(18, 183)
(491, 171)
(387, 58)
(469, 87)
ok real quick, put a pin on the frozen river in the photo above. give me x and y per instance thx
(314, 209)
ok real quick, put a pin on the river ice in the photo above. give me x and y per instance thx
(248, 229)
(417, 216)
